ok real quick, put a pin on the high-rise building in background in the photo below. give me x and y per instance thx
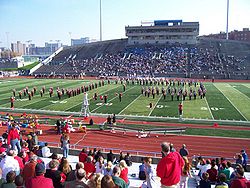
(80, 41)
(18, 48)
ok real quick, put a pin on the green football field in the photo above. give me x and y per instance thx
(223, 101)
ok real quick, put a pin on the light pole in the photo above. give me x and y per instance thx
(227, 19)
(100, 20)
(70, 38)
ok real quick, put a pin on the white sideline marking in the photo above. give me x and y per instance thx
(130, 104)
(209, 109)
(154, 106)
(232, 104)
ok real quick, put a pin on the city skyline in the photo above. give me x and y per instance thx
(43, 21)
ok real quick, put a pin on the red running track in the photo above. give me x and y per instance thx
(197, 145)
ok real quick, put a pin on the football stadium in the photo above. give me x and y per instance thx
(162, 107)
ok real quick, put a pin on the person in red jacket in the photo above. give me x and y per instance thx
(14, 138)
(169, 167)
(240, 181)
(39, 180)
(89, 167)
(83, 155)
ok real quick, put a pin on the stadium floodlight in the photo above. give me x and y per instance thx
(100, 20)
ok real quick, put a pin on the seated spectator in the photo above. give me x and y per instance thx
(99, 165)
(19, 181)
(1, 178)
(240, 181)
(65, 167)
(10, 180)
(245, 159)
(95, 181)
(89, 167)
(222, 182)
(116, 178)
(57, 176)
(80, 180)
(205, 183)
(29, 168)
(124, 171)
(8, 163)
(122, 156)
(83, 155)
(107, 182)
(108, 169)
(71, 176)
(35, 182)
(46, 151)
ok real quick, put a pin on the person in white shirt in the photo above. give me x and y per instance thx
(46, 151)
(8, 163)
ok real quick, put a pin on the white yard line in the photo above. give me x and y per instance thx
(232, 104)
(209, 108)
(111, 100)
(154, 106)
(130, 104)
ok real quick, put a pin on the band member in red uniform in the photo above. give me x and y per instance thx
(120, 97)
(12, 100)
(180, 108)
(105, 99)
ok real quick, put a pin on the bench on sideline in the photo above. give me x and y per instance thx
(146, 132)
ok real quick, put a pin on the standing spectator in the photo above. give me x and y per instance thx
(183, 151)
(240, 181)
(142, 174)
(149, 172)
(225, 171)
(79, 181)
(65, 145)
(46, 151)
(124, 171)
(245, 159)
(9, 164)
(111, 157)
(185, 173)
(14, 138)
(39, 180)
(83, 155)
(169, 167)
(10, 179)
(116, 178)
(213, 172)
(128, 159)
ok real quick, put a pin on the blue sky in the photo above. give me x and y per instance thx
(45, 20)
